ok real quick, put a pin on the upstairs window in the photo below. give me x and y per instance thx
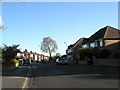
(84, 46)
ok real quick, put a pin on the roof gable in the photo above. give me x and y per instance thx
(112, 33)
(106, 32)
(80, 41)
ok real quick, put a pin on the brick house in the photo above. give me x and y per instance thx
(104, 37)
(107, 37)
(69, 51)
(33, 56)
(79, 44)
(26, 54)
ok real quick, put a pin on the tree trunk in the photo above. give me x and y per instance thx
(50, 58)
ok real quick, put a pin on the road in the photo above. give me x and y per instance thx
(50, 75)
(16, 78)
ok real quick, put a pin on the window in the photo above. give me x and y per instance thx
(101, 42)
(84, 46)
(92, 44)
(96, 44)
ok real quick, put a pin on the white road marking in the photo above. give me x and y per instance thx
(26, 79)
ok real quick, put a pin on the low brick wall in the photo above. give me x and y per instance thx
(11, 66)
(107, 62)
(84, 62)
(103, 62)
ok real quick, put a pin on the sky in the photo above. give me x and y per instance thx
(28, 23)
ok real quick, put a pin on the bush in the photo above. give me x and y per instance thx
(3, 61)
(98, 53)
(84, 52)
(9, 52)
(117, 55)
(103, 53)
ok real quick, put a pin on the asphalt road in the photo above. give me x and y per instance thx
(16, 78)
(50, 75)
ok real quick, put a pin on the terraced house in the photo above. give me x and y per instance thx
(31, 55)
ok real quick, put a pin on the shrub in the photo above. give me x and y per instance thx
(84, 52)
(98, 53)
(117, 55)
(3, 61)
(103, 53)
(9, 52)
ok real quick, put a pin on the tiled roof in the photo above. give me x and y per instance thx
(70, 46)
(106, 32)
(112, 33)
(80, 41)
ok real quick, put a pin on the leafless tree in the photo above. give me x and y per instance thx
(48, 45)
(2, 27)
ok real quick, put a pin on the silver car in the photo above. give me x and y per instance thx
(61, 61)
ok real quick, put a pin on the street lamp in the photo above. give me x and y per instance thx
(65, 43)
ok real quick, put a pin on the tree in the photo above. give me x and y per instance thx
(9, 52)
(0, 53)
(58, 55)
(2, 27)
(48, 45)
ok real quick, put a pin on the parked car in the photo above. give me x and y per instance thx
(20, 61)
(43, 61)
(61, 61)
(37, 61)
(26, 61)
(34, 61)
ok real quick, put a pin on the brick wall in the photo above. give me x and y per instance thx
(114, 48)
(107, 62)
(109, 42)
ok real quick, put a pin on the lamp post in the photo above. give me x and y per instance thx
(66, 47)
(65, 43)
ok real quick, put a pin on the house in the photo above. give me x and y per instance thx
(81, 43)
(20, 55)
(26, 54)
(105, 38)
(46, 57)
(33, 56)
(69, 51)
(72, 51)
(38, 56)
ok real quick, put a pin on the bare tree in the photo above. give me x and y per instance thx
(2, 27)
(48, 45)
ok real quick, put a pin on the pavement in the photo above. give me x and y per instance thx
(16, 78)
(50, 75)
